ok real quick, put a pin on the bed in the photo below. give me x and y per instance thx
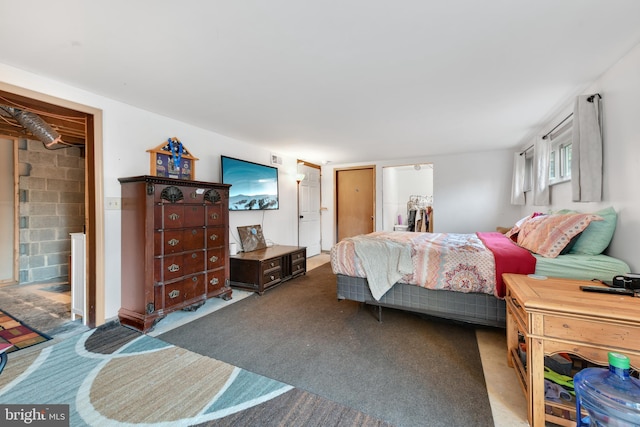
(459, 276)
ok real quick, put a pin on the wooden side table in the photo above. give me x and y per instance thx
(555, 316)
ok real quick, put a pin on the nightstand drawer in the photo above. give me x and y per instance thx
(603, 333)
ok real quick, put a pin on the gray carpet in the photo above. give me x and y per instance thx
(407, 370)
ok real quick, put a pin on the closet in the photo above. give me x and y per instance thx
(420, 214)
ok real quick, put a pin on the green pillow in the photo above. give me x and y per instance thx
(597, 236)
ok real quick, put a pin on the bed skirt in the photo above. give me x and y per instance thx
(476, 308)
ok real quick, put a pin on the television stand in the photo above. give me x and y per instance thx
(263, 269)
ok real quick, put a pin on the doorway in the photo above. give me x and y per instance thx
(80, 126)
(400, 185)
(355, 201)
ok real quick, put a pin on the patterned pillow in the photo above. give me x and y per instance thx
(547, 235)
(513, 232)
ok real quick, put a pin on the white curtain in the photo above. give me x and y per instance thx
(541, 153)
(517, 184)
(586, 150)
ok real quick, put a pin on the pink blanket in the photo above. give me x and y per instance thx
(448, 261)
(509, 257)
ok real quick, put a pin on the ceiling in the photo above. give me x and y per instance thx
(340, 81)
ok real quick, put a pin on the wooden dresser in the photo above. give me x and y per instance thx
(174, 247)
(264, 268)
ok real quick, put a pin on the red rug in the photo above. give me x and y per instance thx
(17, 333)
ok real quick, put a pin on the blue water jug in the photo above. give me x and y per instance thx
(610, 397)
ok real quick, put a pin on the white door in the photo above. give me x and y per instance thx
(309, 209)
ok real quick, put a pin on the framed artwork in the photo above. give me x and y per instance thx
(172, 159)
(251, 237)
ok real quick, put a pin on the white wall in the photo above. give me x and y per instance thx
(471, 192)
(128, 132)
(620, 91)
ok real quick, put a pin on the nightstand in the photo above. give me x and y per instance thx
(555, 316)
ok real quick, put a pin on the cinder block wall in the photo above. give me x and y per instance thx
(51, 193)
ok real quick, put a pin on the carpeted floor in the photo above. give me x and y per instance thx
(114, 376)
(408, 370)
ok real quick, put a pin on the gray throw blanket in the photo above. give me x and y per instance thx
(384, 262)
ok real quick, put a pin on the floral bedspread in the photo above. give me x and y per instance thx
(447, 261)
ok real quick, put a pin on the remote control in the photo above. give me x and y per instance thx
(619, 291)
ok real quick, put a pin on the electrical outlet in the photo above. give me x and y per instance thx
(113, 204)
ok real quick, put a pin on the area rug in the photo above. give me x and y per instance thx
(17, 333)
(407, 370)
(114, 376)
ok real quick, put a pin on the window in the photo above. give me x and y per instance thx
(560, 156)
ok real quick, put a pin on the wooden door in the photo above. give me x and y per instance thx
(355, 201)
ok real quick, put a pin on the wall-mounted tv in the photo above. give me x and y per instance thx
(253, 186)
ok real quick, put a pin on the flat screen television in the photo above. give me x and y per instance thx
(253, 186)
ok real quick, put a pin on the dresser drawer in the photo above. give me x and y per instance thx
(216, 280)
(216, 237)
(297, 267)
(176, 293)
(215, 258)
(270, 264)
(271, 277)
(215, 215)
(173, 241)
(171, 216)
(298, 256)
(174, 266)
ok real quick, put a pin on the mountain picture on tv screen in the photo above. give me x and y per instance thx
(253, 186)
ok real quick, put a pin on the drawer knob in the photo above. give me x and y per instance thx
(174, 293)
(194, 256)
(173, 216)
(214, 281)
(173, 268)
(194, 232)
(213, 258)
(214, 215)
(173, 242)
(194, 279)
(273, 277)
(213, 237)
(273, 264)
